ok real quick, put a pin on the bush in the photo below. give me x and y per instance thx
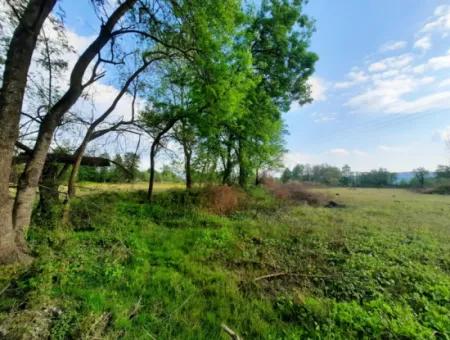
(222, 200)
(297, 192)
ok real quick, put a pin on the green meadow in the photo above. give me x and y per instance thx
(376, 267)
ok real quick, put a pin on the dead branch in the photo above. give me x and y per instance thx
(230, 332)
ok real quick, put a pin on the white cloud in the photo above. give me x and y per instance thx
(382, 94)
(440, 22)
(389, 148)
(387, 96)
(439, 63)
(354, 77)
(423, 44)
(339, 152)
(293, 158)
(393, 46)
(445, 134)
(318, 88)
(444, 83)
(360, 153)
(434, 101)
(323, 117)
(391, 63)
(104, 95)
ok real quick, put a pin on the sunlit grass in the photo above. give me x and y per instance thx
(86, 188)
(378, 268)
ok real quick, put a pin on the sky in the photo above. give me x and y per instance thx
(381, 88)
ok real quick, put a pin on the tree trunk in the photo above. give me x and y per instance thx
(187, 167)
(17, 64)
(49, 194)
(242, 165)
(76, 165)
(228, 167)
(29, 180)
(151, 179)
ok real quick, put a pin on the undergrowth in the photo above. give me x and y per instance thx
(173, 269)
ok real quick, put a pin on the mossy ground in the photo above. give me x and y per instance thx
(378, 268)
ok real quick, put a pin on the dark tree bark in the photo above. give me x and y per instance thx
(228, 166)
(68, 159)
(48, 193)
(187, 166)
(29, 180)
(243, 174)
(17, 64)
(151, 180)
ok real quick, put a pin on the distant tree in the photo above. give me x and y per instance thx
(131, 164)
(443, 172)
(286, 176)
(297, 172)
(346, 178)
(167, 174)
(377, 178)
(420, 175)
(326, 174)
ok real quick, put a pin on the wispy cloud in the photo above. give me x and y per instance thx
(321, 117)
(339, 152)
(439, 22)
(423, 43)
(390, 148)
(396, 62)
(354, 77)
(393, 46)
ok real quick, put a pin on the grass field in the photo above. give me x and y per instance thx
(377, 268)
(90, 188)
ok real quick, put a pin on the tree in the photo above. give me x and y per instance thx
(278, 38)
(297, 172)
(93, 132)
(185, 134)
(131, 164)
(346, 178)
(377, 178)
(17, 63)
(286, 176)
(420, 175)
(443, 172)
(29, 180)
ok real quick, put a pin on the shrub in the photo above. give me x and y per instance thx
(222, 200)
(297, 192)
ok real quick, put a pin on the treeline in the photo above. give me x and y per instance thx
(437, 181)
(334, 176)
(214, 78)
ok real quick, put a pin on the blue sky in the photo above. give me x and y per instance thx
(381, 88)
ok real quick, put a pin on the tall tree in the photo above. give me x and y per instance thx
(278, 37)
(29, 179)
(16, 68)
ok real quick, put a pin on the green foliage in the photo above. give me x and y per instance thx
(286, 176)
(124, 169)
(333, 176)
(376, 269)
